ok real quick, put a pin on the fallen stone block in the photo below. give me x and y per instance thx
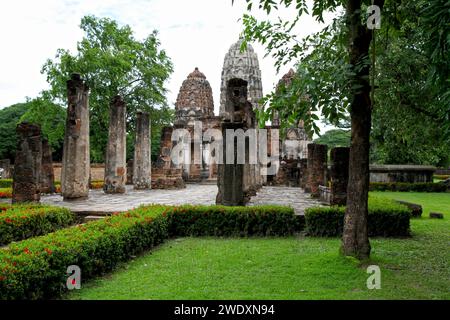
(436, 215)
(416, 209)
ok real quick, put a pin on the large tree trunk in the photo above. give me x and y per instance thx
(355, 240)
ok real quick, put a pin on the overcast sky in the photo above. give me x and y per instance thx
(195, 33)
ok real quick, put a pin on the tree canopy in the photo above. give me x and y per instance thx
(9, 118)
(344, 70)
(335, 138)
(113, 62)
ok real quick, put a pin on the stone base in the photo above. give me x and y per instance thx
(112, 189)
(167, 179)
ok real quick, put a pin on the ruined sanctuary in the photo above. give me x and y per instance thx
(199, 137)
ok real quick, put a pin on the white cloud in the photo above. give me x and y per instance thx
(195, 33)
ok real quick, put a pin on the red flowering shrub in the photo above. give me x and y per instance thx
(36, 268)
(97, 247)
(5, 193)
(20, 222)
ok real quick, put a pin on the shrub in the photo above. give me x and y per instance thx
(5, 193)
(36, 268)
(6, 183)
(386, 219)
(406, 187)
(26, 221)
(232, 221)
(441, 176)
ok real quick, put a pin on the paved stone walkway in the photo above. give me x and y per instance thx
(285, 196)
(101, 203)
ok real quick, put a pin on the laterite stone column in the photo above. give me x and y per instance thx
(76, 158)
(115, 164)
(230, 180)
(142, 175)
(27, 165)
(339, 175)
(47, 179)
(303, 172)
(317, 167)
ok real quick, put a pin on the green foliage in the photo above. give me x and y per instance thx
(245, 268)
(410, 118)
(408, 187)
(436, 30)
(49, 116)
(95, 247)
(411, 115)
(27, 221)
(386, 219)
(335, 138)
(113, 62)
(6, 183)
(232, 221)
(9, 118)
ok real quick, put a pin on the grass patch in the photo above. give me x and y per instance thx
(289, 268)
(431, 202)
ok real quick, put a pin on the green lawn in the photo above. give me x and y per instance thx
(288, 268)
(435, 202)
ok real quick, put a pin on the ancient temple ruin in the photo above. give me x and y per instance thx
(194, 112)
(293, 147)
(196, 136)
(241, 90)
(245, 66)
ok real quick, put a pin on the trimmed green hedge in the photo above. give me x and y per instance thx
(26, 221)
(6, 183)
(232, 221)
(97, 247)
(407, 187)
(36, 268)
(386, 219)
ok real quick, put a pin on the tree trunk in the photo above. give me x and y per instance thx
(355, 240)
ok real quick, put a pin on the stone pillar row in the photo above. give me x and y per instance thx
(33, 172)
